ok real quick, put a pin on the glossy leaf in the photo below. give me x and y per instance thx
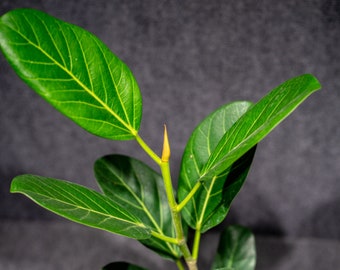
(122, 266)
(139, 190)
(80, 204)
(258, 122)
(211, 203)
(74, 71)
(236, 250)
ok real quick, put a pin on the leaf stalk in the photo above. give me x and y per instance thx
(165, 238)
(148, 150)
(189, 196)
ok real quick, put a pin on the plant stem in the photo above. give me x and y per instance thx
(180, 265)
(176, 216)
(196, 244)
(163, 163)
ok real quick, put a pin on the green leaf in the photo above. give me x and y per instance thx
(258, 122)
(236, 250)
(74, 71)
(211, 203)
(139, 190)
(80, 204)
(122, 266)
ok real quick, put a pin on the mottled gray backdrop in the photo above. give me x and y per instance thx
(189, 58)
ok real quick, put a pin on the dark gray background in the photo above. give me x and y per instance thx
(189, 58)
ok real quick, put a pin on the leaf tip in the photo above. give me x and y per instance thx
(14, 184)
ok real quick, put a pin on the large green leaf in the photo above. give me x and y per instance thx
(256, 123)
(211, 203)
(236, 250)
(140, 190)
(74, 71)
(80, 204)
(122, 266)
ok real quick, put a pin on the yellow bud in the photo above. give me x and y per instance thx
(166, 147)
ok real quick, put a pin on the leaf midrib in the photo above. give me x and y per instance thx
(107, 215)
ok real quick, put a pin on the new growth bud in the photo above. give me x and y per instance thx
(166, 147)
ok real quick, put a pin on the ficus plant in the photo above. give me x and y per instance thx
(79, 76)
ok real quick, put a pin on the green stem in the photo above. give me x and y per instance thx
(163, 163)
(196, 244)
(165, 169)
(176, 216)
(180, 265)
(189, 196)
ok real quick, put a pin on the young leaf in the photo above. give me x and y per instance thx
(80, 204)
(139, 190)
(256, 123)
(122, 266)
(74, 71)
(236, 250)
(211, 203)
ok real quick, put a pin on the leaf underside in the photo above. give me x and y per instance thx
(74, 71)
(80, 204)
